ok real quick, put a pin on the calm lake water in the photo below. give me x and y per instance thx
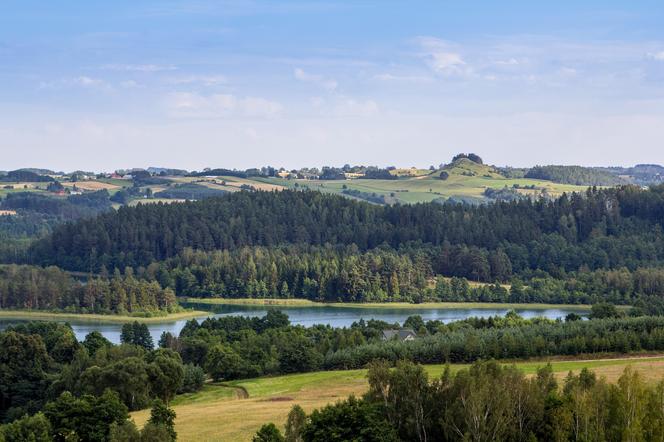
(334, 316)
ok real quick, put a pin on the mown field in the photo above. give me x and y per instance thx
(223, 412)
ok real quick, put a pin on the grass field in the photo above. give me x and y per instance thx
(401, 305)
(219, 413)
(466, 180)
(49, 316)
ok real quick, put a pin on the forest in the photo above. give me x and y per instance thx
(605, 244)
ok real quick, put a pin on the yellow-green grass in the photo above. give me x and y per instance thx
(52, 316)
(428, 188)
(216, 413)
(387, 305)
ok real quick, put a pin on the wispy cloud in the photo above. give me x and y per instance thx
(403, 78)
(193, 105)
(329, 84)
(81, 81)
(205, 80)
(138, 67)
(442, 57)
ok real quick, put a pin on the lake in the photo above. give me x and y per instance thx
(307, 316)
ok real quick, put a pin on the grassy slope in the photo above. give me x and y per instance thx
(37, 315)
(216, 413)
(466, 179)
(403, 305)
(427, 188)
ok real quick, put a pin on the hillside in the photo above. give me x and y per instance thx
(467, 181)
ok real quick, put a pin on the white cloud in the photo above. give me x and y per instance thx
(442, 57)
(329, 84)
(138, 67)
(192, 105)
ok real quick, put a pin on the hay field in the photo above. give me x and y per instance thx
(219, 413)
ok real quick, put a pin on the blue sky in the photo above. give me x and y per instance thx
(105, 85)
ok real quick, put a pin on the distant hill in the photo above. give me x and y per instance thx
(466, 167)
(642, 174)
(577, 175)
(23, 175)
(38, 171)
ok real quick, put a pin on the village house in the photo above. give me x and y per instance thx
(403, 334)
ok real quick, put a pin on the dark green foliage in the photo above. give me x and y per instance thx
(94, 341)
(27, 429)
(372, 173)
(70, 208)
(604, 310)
(137, 333)
(166, 373)
(578, 175)
(24, 363)
(161, 415)
(223, 363)
(517, 341)
(353, 419)
(193, 379)
(603, 233)
(268, 433)
(31, 287)
(27, 176)
(89, 418)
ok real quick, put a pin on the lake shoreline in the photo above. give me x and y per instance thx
(387, 305)
(93, 317)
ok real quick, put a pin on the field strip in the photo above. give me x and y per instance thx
(218, 413)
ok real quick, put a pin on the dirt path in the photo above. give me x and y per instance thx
(240, 391)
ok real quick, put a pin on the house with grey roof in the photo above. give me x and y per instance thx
(403, 334)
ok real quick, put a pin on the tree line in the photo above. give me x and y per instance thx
(50, 288)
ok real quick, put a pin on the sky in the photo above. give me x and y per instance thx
(245, 83)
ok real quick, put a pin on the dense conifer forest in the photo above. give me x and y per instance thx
(582, 248)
